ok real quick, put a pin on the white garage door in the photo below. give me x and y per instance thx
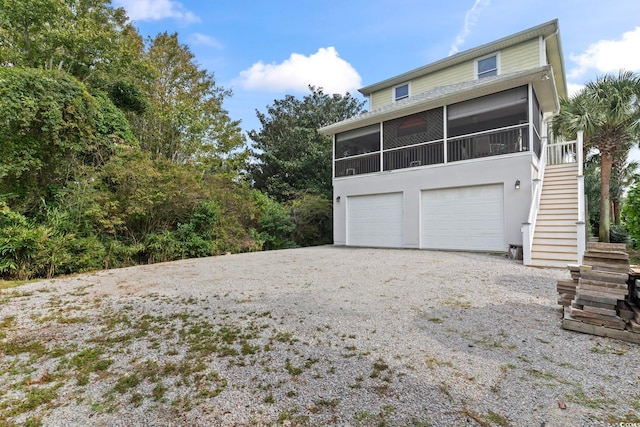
(375, 220)
(467, 218)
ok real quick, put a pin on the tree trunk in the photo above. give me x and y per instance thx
(616, 212)
(606, 162)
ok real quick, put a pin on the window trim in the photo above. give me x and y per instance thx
(475, 64)
(393, 91)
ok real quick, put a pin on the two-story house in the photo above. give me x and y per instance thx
(453, 155)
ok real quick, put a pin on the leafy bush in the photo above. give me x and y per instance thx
(631, 213)
(619, 234)
(312, 215)
(274, 224)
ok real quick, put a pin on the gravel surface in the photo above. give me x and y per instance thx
(313, 336)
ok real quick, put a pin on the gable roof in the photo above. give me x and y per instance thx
(541, 77)
(548, 30)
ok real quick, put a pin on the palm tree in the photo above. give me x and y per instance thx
(624, 174)
(608, 111)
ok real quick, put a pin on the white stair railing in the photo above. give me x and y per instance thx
(581, 224)
(529, 227)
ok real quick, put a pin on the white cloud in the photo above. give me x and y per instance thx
(323, 69)
(470, 19)
(204, 40)
(155, 10)
(606, 56)
(574, 88)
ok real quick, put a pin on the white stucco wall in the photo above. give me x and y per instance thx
(489, 170)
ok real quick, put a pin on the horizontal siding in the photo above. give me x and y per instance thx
(456, 74)
(381, 98)
(520, 57)
(523, 56)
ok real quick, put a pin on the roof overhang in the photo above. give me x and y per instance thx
(546, 30)
(542, 79)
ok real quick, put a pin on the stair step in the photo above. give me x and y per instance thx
(559, 189)
(550, 263)
(557, 204)
(548, 215)
(555, 229)
(560, 256)
(568, 196)
(559, 185)
(556, 249)
(556, 223)
(560, 235)
(559, 208)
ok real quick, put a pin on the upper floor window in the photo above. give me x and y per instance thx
(401, 92)
(487, 67)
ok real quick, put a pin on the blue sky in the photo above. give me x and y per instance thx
(264, 50)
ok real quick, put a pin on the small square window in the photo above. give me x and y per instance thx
(488, 67)
(401, 92)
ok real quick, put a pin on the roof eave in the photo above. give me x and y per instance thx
(546, 29)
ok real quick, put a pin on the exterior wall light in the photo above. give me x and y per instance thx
(338, 199)
(517, 184)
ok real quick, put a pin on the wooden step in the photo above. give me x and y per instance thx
(556, 235)
(559, 209)
(542, 222)
(568, 197)
(556, 241)
(559, 256)
(548, 215)
(556, 249)
(553, 263)
(556, 188)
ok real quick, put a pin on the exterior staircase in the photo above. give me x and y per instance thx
(555, 238)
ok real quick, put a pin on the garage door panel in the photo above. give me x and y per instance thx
(470, 218)
(375, 220)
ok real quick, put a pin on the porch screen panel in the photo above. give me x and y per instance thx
(414, 129)
(536, 120)
(494, 111)
(358, 141)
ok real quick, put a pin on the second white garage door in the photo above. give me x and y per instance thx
(375, 220)
(465, 218)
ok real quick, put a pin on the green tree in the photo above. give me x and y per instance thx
(291, 156)
(51, 126)
(608, 111)
(185, 121)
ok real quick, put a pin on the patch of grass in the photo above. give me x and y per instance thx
(269, 398)
(600, 349)
(158, 392)
(34, 397)
(136, 399)
(364, 418)
(630, 418)
(8, 284)
(249, 349)
(457, 303)
(544, 375)
(433, 362)
(291, 369)
(8, 322)
(581, 398)
(486, 420)
(21, 345)
(285, 337)
(126, 382)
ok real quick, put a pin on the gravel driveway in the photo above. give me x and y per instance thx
(313, 336)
